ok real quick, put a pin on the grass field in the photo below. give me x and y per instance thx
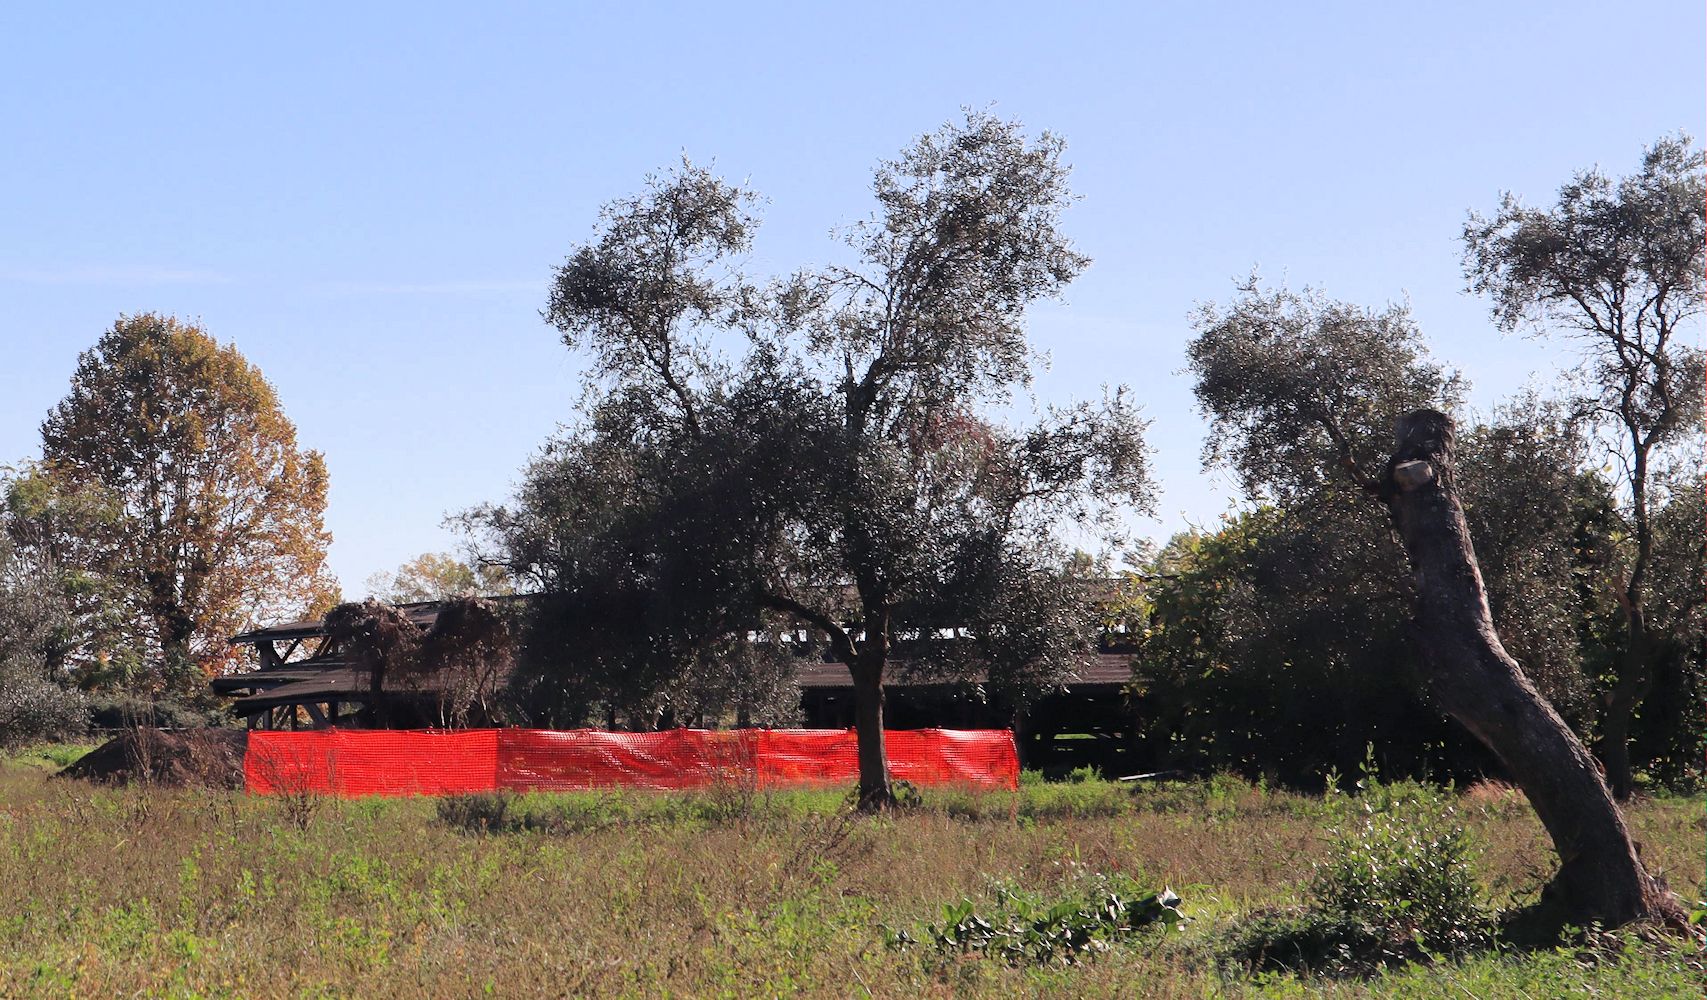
(180, 893)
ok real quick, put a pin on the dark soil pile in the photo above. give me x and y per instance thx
(201, 758)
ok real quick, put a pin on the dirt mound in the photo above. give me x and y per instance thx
(202, 758)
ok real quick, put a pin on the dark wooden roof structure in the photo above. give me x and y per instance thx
(301, 672)
(1103, 671)
(301, 669)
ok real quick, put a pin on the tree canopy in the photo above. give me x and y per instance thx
(1617, 268)
(436, 576)
(816, 450)
(219, 515)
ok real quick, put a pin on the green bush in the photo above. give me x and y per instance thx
(1399, 884)
(482, 812)
(120, 710)
(1408, 870)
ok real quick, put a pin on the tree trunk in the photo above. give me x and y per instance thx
(1600, 876)
(1628, 692)
(1635, 676)
(874, 791)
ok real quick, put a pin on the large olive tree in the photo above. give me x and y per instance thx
(1616, 267)
(1300, 391)
(818, 451)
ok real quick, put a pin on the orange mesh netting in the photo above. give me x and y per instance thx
(355, 762)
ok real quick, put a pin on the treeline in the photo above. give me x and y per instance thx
(1284, 639)
(814, 455)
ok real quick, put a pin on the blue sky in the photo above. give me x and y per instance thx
(368, 199)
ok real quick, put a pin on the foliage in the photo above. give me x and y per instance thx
(1617, 267)
(380, 641)
(1401, 861)
(1619, 264)
(122, 710)
(218, 514)
(464, 656)
(1302, 392)
(836, 474)
(1543, 531)
(483, 812)
(54, 533)
(1022, 927)
(436, 576)
(1277, 646)
(658, 894)
(36, 700)
(469, 651)
(33, 709)
(1398, 883)
(1251, 626)
(1668, 739)
(1300, 594)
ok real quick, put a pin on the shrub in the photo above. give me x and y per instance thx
(1408, 870)
(128, 711)
(482, 812)
(35, 710)
(1399, 884)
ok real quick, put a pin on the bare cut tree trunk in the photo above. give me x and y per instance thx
(1600, 876)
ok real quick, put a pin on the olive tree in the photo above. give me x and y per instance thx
(1616, 266)
(817, 450)
(1298, 390)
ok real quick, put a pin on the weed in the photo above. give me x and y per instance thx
(484, 812)
(1399, 883)
(1023, 928)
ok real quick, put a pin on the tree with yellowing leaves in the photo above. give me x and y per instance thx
(222, 516)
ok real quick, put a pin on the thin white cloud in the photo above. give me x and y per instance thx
(110, 275)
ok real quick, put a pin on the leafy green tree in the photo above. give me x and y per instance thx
(1278, 645)
(1540, 525)
(836, 472)
(220, 516)
(1616, 266)
(1302, 392)
(1669, 735)
(1251, 622)
(1298, 403)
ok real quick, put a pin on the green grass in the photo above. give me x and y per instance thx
(47, 757)
(733, 892)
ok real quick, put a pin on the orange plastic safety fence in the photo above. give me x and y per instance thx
(357, 762)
